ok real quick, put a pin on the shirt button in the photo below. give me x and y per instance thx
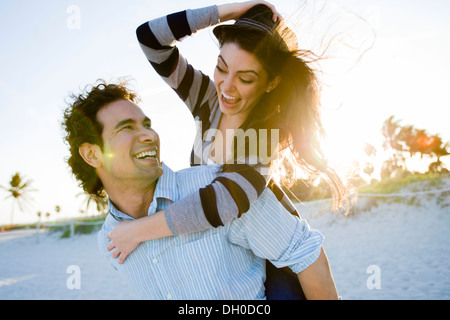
(155, 260)
(169, 296)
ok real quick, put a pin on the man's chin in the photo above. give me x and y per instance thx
(149, 162)
(152, 168)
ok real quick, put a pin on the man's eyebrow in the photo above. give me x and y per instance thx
(130, 121)
(241, 71)
(124, 122)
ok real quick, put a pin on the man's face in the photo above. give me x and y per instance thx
(131, 146)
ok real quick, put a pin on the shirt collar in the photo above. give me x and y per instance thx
(166, 188)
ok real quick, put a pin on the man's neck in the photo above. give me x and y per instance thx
(132, 201)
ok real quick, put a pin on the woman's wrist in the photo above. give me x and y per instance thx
(225, 12)
(152, 227)
(233, 11)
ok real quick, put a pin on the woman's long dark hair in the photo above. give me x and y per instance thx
(292, 108)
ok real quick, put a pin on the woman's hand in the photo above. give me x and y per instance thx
(232, 11)
(128, 234)
(123, 240)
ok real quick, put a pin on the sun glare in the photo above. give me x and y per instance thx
(344, 148)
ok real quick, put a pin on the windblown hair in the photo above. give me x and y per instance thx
(81, 125)
(293, 107)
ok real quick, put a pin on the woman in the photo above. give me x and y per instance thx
(262, 86)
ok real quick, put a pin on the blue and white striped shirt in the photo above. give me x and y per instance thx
(222, 263)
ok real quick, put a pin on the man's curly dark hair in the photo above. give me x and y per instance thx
(81, 125)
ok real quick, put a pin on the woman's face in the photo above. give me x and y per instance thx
(240, 81)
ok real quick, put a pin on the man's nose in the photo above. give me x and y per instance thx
(148, 135)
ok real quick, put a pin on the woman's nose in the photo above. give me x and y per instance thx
(228, 85)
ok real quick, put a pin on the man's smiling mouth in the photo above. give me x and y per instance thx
(151, 154)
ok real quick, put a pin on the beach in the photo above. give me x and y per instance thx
(389, 249)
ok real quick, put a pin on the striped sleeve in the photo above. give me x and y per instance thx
(226, 198)
(232, 193)
(272, 233)
(158, 39)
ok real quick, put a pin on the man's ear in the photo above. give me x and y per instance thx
(273, 84)
(91, 153)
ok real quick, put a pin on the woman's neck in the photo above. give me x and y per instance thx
(231, 122)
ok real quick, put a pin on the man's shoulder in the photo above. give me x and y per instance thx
(213, 168)
(191, 179)
(267, 197)
(206, 171)
(201, 174)
(109, 224)
(267, 209)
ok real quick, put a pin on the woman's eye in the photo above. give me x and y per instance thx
(220, 69)
(246, 81)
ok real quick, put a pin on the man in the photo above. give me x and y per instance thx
(114, 150)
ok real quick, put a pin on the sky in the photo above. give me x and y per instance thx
(390, 58)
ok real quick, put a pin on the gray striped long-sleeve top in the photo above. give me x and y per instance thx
(231, 194)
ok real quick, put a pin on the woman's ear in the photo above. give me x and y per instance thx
(273, 84)
(91, 154)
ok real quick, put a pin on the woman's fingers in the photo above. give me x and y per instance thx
(123, 256)
(276, 15)
(115, 253)
(110, 246)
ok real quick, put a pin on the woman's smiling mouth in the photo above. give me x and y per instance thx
(229, 101)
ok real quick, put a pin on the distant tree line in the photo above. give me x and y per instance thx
(407, 141)
(400, 142)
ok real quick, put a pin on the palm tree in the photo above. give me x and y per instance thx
(408, 136)
(370, 150)
(101, 204)
(439, 150)
(19, 190)
(390, 131)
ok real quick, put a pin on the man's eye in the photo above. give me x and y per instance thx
(129, 127)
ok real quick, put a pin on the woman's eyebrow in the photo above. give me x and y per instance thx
(249, 71)
(223, 60)
(240, 71)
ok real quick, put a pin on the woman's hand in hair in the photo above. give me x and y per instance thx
(232, 11)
